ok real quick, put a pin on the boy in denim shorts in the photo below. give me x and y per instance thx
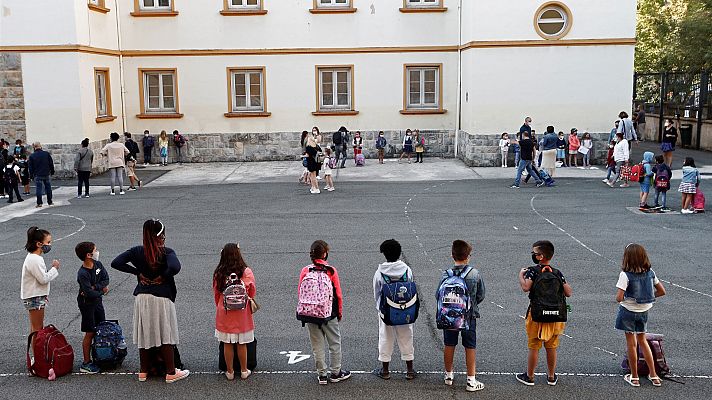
(461, 251)
(93, 284)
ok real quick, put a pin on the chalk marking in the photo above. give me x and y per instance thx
(515, 228)
(84, 224)
(497, 305)
(606, 351)
(686, 288)
(570, 337)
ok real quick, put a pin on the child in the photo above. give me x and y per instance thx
(234, 327)
(12, 178)
(326, 333)
(93, 283)
(24, 174)
(357, 144)
(381, 146)
(587, 143)
(163, 147)
(561, 149)
(419, 146)
(647, 180)
(461, 251)
(35, 276)
(662, 182)
(610, 162)
(407, 145)
(621, 155)
(574, 144)
(328, 162)
(538, 333)
(690, 183)
(504, 148)
(394, 270)
(638, 286)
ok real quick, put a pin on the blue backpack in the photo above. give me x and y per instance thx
(399, 303)
(454, 302)
(108, 349)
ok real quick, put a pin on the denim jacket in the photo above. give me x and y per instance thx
(475, 285)
(640, 287)
(690, 175)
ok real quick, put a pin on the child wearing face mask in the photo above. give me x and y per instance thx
(381, 146)
(34, 289)
(93, 284)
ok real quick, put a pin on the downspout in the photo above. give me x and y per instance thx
(458, 107)
(121, 68)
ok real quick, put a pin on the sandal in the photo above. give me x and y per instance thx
(379, 373)
(410, 375)
(635, 382)
(656, 381)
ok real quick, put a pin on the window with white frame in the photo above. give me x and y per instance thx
(335, 89)
(159, 92)
(247, 90)
(102, 104)
(423, 3)
(155, 5)
(244, 4)
(553, 20)
(95, 2)
(333, 3)
(423, 85)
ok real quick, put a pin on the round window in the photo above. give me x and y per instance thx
(552, 20)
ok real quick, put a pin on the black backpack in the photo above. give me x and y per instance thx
(548, 302)
(336, 139)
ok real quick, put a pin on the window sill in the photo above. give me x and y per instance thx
(159, 116)
(423, 9)
(335, 10)
(247, 114)
(100, 9)
(105, 118)
(232, 13)
(334, 113)
(423, 112)
(154, 13)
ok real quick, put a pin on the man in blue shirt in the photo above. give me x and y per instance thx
(41, 168)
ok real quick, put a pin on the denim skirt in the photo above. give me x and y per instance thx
(631, 322)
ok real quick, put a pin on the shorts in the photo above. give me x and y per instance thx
(92, 313)
(35, 303)
(536, 333)
(469, 337)
(631, 322)
(381, 152)
(645, 187)
(560, 153)
(239, 338)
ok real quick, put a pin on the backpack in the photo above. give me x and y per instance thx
(164, 151)
(662, 180)
(178, 140)
(108, 349)
(336, 138)
(316, 296)
(548, 303)
(19, 150)
(9, 172)
(655, 342)
(454, 302)
(399, 304)
(332, 162)
(637, 173)
(360, 160)
(698, 201)
(235, 294)
(54, 356)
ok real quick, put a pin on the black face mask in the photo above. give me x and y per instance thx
(536, 260)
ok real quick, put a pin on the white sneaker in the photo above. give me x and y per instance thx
(474, 385)
(604, 180)
(686, 211)
(449, 378)
(331, 189)
(314, 191)
(112, 193)
(122, 193)
(318, 178)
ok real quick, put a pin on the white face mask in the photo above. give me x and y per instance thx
(95, 256)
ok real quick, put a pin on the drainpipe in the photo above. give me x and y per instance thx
(121, 67)
(459, 79)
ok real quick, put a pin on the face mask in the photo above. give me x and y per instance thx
(95, 256)
(146, 135)
(536, 260)
(46, 248)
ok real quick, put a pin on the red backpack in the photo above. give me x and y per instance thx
(637, 173)
(54, 357)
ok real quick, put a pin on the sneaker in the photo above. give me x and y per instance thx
(341, 376)
(514, 187)
(685, 211)
(49, 203)
(645, 207)
(449, 378)
(540, 184)
(230, 375)
(79, 196)
(140, 183)
(326, 187)
(525, 379)
(604, 180)
(552, 382)
(142, 376)
(112, 193)
(624, 185)
(323, 379)
(179, 374)
(122, 193)
(19, 200)
(38, 206)
(331, 189)
(86, 196)
(314, 191)
(665, 209)
(89, 368)
(245, 375)
(474, 385)
(318, 178)
(131, 189)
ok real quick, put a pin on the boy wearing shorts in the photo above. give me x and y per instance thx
(541, 333)
(93, 284)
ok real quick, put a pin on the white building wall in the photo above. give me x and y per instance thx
(39, 22)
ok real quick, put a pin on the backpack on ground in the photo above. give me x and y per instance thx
(662, 180)
(454, 302)
(655, 341)
(235, 294)
(548, 302)
(108, 349)
(316, 296)
(251, 357)
(698, 201)
(53, 355)
(399, 304)
(360, 160)
(336, 138)
(637, 173)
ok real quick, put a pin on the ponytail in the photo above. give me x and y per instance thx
(34, 235)
(319, 250)
(153, 245)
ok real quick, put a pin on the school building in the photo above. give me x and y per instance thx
(243, 78)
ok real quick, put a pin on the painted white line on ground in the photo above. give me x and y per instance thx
(81, 228)
(515, 228)
(606, 351)
(686, 288)
(570, 337)
(497, 305)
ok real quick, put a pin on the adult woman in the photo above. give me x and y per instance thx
(548, 150)
(312, 150)
(82, 164)
(154, 320)
(669, 141)
(304, 178)
(116, 154)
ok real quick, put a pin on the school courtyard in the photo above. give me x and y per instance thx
(425, 207)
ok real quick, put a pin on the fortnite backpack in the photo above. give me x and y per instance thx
(548, 303)
(454, 302)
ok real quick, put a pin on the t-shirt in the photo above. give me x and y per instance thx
(527, 149)
(641, 117)
(629, 303)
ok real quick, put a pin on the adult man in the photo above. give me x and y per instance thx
(41, 168)
(340, 140)
(527, 127)
(640, 120)
(148, 143)
(527, 155)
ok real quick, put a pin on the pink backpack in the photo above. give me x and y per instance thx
(316, 296)
(698, 202)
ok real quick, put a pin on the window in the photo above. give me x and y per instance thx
(552, 20)
(244, 4)
(159, 97)
(333, 6)
(152, 5)
(103, 95)
(335, 90)
(243, 7)
(422, 4)
(98, 5)
(246, 92)
(154, 8)
(422, 86)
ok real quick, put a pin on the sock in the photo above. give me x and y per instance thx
(449, 375)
